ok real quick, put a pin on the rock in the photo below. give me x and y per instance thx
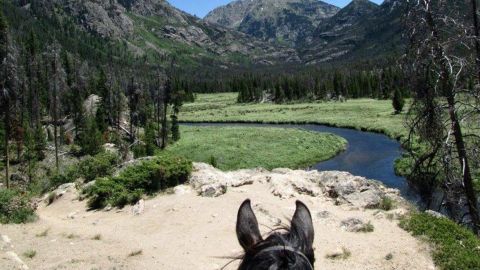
(182, 190)
(398, 213)
(108, 208)
(323, 214)
(13, 256)
(435, 214)
(139, 208)
(90, 105)
(213, 190)
(352, 225)
(369, 199)
(338, 253)
(18, 178)
(72, 215)
(111, 148)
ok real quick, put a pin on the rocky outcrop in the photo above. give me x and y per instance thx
(290, 22)
(144, 25)
(341, 187)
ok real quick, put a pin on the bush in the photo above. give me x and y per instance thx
(148, 177)
(387, 204)
(75, 150)
(455, 247)
(100, 165)
(15, 207)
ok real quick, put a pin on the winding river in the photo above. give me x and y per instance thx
(368, 154)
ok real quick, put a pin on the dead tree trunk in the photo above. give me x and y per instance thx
(7, 134)
(476, 33)
(448, 88)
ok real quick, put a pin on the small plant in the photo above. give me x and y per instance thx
(97, 237)
(386, 204)
(30, 254)
(389, 257)
(52, 196)
(345, 254)
(213, 161)
(135, 253)
(367, 227)
(43, 233)
(70, 236)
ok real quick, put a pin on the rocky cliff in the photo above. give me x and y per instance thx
(290, 22)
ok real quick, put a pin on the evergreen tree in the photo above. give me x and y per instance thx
(398, 101)
(150, 140)
(91, 140)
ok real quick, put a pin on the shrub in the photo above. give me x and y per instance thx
(386, 204)
(455, 247)
(139, 150)
(148, 177)
(100, 165)
(213, 161)
(75, 150)
(15, 207)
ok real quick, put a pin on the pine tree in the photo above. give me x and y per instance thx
(398, 101)
(150, 140)
(6, 93)
(91, 140)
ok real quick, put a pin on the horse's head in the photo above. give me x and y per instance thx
(291, 249)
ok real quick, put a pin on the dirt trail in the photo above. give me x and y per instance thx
(187, 231)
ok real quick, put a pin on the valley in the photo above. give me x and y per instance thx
(132, 131)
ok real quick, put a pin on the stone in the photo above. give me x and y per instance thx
(18, 178)
(213, 190)
(435, 214)
(139, 208)
(182, 190)
(13, 256)
(72, 215)
(352, 225)
(323, 214)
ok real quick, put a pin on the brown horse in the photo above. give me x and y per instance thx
(286, 248)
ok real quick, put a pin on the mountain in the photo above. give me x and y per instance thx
(155, 29)
(361, 29)
(290, 22)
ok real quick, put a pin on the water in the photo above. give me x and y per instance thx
(368, 154)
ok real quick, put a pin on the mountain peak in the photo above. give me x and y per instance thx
(285, 21)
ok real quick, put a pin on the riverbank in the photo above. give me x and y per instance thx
(360, 114)
(184, 230)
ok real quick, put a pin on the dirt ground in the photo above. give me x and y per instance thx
(192, 232)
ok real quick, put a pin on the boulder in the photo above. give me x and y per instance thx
(213, 190)
(139, 208)
(352, 225)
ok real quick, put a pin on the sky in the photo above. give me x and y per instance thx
(202, 7)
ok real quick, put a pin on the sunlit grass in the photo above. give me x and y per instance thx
(250, 147)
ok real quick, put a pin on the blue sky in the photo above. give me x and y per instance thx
(202, 7)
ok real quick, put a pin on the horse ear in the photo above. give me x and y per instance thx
(248, 233)
(302, 226)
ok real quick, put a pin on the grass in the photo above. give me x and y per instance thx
(231, 148)
(367, 227)
(43, 233)
(360, 114)
(345, 254)
(30, 254)
(135, 253)
(454, 247)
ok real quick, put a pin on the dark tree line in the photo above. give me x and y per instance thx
(378, 84)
